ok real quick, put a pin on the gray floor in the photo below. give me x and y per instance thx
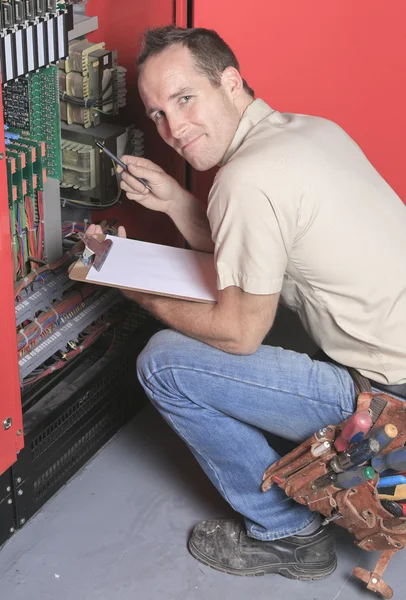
(118, 531)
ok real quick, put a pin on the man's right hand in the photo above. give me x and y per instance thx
(165, 189)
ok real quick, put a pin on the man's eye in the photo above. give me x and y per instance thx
(158, 115)
(185, 99)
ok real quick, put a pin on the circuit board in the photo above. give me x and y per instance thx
(31, 110)
(45, 117)
(16, 105)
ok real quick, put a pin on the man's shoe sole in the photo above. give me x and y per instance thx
(298, 571)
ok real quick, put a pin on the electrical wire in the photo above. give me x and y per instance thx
(70, 228)
(65, 258)
(29, 336)
(102, 112)
(88, 102)
(86, 339)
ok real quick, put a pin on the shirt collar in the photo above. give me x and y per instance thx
(253, 114)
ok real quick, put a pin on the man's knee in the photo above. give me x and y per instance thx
(159, 353)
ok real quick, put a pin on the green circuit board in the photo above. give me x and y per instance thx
(31, 110)
(45, 117)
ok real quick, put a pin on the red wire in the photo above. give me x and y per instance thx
(20, 285)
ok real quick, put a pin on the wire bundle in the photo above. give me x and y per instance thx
(70, 228)
(28, 337)
(86, 339)
(97, 102)
(65, 259)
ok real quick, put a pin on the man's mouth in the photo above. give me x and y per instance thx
(190, 143)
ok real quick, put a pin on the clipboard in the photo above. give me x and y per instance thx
(153, 269)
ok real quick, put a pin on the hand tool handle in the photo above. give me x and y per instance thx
(353, 430)
(395, 460)
(397, 510)
(392, 480)
(355, 477)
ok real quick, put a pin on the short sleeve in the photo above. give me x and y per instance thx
(251, 243)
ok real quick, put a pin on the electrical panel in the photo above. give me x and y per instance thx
(60, 94)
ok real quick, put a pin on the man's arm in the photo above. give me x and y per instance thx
(236, 324)
(189, 217)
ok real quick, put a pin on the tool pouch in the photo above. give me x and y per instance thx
(361, 511)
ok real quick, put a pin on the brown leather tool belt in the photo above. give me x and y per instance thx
(358, 508)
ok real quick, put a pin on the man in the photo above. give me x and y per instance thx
(296, 212)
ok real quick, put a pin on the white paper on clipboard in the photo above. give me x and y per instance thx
(158, 269)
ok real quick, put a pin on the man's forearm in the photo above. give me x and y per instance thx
(200, 321)
(191, 220)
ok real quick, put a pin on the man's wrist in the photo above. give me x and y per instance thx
(179, 204)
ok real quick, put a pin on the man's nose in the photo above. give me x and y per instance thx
(177, 125)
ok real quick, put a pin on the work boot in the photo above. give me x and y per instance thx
(223, 545)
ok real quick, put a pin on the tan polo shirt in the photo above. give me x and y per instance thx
(297, 208)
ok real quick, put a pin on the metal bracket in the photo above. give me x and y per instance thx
(95, 250)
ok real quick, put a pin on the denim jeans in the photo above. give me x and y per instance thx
(220, 404)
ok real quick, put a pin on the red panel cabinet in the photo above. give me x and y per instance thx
(11, 438)
(341, 60)
(120, 28)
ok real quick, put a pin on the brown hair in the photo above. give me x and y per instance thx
(210, 52)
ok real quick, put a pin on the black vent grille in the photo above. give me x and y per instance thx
(72, 420)
(66, 463)
(95, 395)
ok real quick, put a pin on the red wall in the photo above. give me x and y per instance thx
(121, 25)
(340, 59)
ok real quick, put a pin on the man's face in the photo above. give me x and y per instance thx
(197, 119)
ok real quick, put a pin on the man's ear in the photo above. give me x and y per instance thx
(232, 81)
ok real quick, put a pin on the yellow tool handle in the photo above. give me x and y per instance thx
(399, 493)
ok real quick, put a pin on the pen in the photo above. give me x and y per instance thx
(122, 164)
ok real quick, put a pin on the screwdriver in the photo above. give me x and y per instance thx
(395, 492)
(355, 455)
(352, 478)
(392, 480)
(366, 449)
(384, 435)
(395, 460)
(344, 480)
(353, 430)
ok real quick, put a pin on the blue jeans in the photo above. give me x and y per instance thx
(220, 404)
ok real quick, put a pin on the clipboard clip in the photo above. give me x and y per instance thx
(95, 251)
